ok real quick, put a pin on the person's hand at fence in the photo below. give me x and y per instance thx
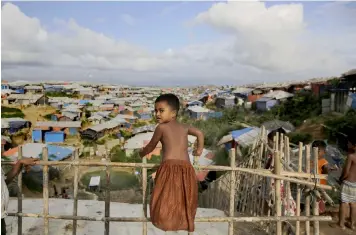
(197, 152)
(18, 166)
(29, 161)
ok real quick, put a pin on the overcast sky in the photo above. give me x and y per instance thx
(177, 43)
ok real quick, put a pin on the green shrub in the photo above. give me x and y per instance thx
(295, 138)
(7, 112)
(118, 155)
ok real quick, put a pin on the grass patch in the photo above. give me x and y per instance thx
(7, 112)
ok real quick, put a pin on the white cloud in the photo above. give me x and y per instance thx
(273, 38)
(261, 44)
(128, 19)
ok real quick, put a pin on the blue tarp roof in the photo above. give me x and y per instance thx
(353, 101)
(236, 134)
(58, 153)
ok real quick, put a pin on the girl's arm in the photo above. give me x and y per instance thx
(153, 143)
(200, 137)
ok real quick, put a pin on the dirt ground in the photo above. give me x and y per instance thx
(313, 128)
(37, 113)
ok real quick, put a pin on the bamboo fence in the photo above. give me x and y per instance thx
(236, 191)
(255, 195)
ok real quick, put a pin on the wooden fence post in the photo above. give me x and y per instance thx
(300, 164)
(277, 184)
(144, 195)
(75, 191)
(19, 195)
(307, 198)
(107, 200)
(45, 191)
(315, 201)
(232, 191)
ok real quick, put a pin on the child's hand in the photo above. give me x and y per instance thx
(29, 161)
(197, 152)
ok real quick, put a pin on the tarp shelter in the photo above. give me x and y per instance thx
(245, 137)
(351, 101)
(277, 124)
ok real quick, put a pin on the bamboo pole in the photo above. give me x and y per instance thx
(307, 199)
(232, 191)
(144, 194)
(315, 201)
(19, 194)
(221, 219)
(45, 191)
(75, 191)
(246, 193)
(287, 158)
(107, 201)
(300, 164)
(277, 184)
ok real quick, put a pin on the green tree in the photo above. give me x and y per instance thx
(299, 108)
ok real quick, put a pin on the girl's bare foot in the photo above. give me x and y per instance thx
(350, 226)
(337, 225)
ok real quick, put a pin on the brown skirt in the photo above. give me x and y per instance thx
(174, 200)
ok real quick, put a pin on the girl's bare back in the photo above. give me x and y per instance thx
(174, 141)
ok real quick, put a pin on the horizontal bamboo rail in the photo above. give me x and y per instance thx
(216, 168)
(197, 219)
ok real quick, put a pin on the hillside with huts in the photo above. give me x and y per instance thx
(112, 122)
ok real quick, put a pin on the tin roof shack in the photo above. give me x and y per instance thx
(42, 129)
(13, 125)
(18, 88)
(144, 116)
(5, 85)
(225, 101)
(242, 92)
(200, 113)
(27, 99)
(240, 138)
(280, 126)
(98, 131)
(143, 129)
(33, 89)
(195, 103)
(271, 99)
(342, 93)
(197, 112)
(319, 87)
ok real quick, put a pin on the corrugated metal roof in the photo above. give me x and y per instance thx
(278, 95)
(143, 129)
(247, 136)
(59, 124)
(123, 116)
(107, 125)
(276, 124)
(198, 109)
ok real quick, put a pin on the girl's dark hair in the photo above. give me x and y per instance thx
(171, 99)
(352, 138)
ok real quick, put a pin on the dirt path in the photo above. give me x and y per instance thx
(37, 113)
